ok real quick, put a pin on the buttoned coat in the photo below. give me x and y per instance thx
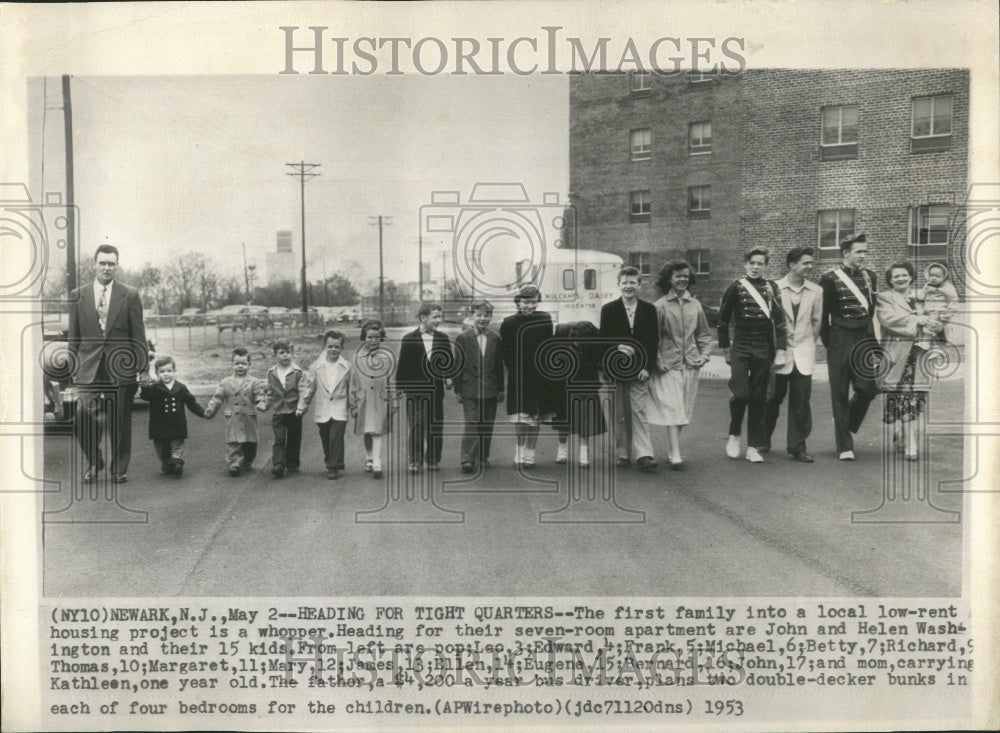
(167, 419)
(332, 399)
(241, 401)
(480, 375)
(802, 332)
(370, 389)
(122, 344)
(283, 396)
(898, 319)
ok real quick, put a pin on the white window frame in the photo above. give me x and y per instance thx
(925, 213)
(640, 261)
(701, 148)
(644, 149)
(644, 79)
(643, 198)
(701, 208)
(839, 233)
(842, 149)
(933, 100)
(699, 257)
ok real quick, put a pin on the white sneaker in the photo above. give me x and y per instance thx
(562, 453)
(584, 456)
(529, 457)
(733, 446)
(847, 455)
(753, 456)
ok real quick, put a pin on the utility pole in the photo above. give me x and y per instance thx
(70, 210)
(380, 221)
(302, 174)
(246, 274)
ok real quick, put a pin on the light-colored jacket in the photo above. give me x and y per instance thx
(898, 319)
(242, 400)
(800, 353)
(370, 390)
(684, 334)
(330, 388)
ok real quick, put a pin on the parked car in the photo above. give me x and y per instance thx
(212, 317)
(190, 316)
(279, 315)
(351, 313)
(258, 317)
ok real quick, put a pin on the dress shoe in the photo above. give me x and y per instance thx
(733, 446)
(622, 463)
(847, 455)
(278, 471)
(120, 478)
(178, 467)
(234, 470)
(377, 472)
(677, 465)
(467, 467)
(754, 456)
(333, 475)
(368, 465)
(801, 457)
(765, 449)
(647, 464)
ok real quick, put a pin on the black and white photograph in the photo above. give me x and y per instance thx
(383, 367)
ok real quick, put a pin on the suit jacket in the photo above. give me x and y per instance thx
(899, 330)
(333, 396)
(646, 328)
(121, 347)
(803, 331)
(284, 396)
(480, 376)
(414, 372)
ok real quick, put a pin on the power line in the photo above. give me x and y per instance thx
(380, 221)
(303, 173)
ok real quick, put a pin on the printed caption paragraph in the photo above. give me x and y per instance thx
(511, 661)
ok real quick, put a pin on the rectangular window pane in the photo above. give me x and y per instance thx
(569, 279)
(590, 279)
(922, 117)
(849, 125)
(831, 126)
(942, 115)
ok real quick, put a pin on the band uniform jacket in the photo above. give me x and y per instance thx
(480, 375)
(645, 328)
(800, 351)
(167, 419)
(284, 396)
(122, 345)
(241, 401)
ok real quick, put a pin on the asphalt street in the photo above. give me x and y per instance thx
(722, 527)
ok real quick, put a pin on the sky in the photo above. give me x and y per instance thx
(167, 165)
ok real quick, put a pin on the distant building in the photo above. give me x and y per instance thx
(281, 263)
(703, 167)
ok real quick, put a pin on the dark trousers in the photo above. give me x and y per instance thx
(240, 455)
(478, 434)
(287, 440)
(850, 356)
(331, 433)
(110, 408)
(798, 387)
(424, 413)
(169, 451)
(750, 369)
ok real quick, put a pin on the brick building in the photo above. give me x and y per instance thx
(704, 167)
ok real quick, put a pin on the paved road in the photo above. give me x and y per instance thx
(721, 528)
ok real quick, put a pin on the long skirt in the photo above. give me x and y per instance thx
(672, 396)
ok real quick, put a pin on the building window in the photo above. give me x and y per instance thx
(931, 129)
(929, 225)
(639, 205)
(700, 77)
(639, 260)
(700, 137)
(699, 202)
(590, 279)
(834, 225)
(641, 83)
(839, 133)
(642, 144)
(698, 259)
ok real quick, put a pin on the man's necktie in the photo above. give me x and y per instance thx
(102, 308)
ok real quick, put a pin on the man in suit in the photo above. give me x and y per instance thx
(421, 375)
(848, 334)
(633, 319)
(108, 341)
(478, 385)
(803, 304)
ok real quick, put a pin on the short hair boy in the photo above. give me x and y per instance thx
(284, 381)
(478, 385)
(329, 381)
(167, 421)
(243, 397)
